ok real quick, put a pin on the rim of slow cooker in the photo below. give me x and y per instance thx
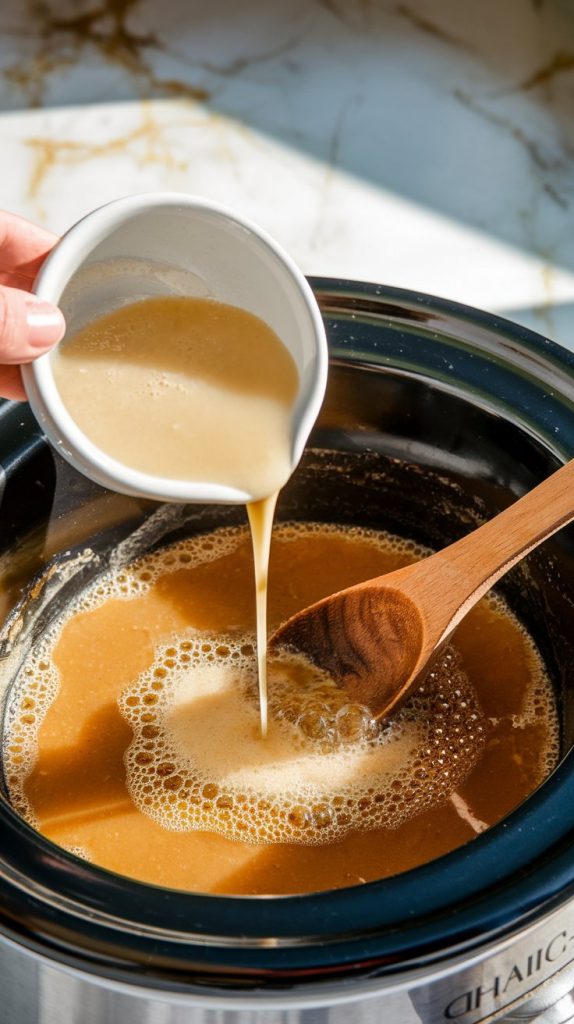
(48, 897)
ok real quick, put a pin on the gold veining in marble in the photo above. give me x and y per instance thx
(348, 13)
(30, 77)
(431, 28)
(239, 64)
(103, 26)
(146, 144)
(545, 164)
(560, 63)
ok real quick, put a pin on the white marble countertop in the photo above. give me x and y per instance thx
(427, 144)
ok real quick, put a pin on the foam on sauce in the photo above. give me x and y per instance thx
(196, 761)
(326, 768)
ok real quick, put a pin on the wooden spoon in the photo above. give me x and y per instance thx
(379, 639)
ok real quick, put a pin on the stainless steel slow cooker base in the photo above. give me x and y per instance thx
(529, 977)
(436, 417)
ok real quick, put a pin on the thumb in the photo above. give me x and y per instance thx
(28, 326)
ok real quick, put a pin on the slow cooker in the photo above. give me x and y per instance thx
(436, 417)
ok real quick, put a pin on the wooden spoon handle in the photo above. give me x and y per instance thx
(472, 565)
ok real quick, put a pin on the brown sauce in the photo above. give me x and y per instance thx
(74, 788)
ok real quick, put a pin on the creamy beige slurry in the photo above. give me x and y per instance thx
(184, 388)
(190, 389)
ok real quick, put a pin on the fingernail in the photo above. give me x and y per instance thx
(46, 324)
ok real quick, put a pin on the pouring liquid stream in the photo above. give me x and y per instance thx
(261, 515)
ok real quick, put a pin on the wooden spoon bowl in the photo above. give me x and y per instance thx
(368, 638)
(379, 639)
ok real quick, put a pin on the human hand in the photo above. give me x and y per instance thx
(28, 326)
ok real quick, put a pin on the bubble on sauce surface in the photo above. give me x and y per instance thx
(81, 852)
(197, 761)
(324, 732)
(37, 688)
